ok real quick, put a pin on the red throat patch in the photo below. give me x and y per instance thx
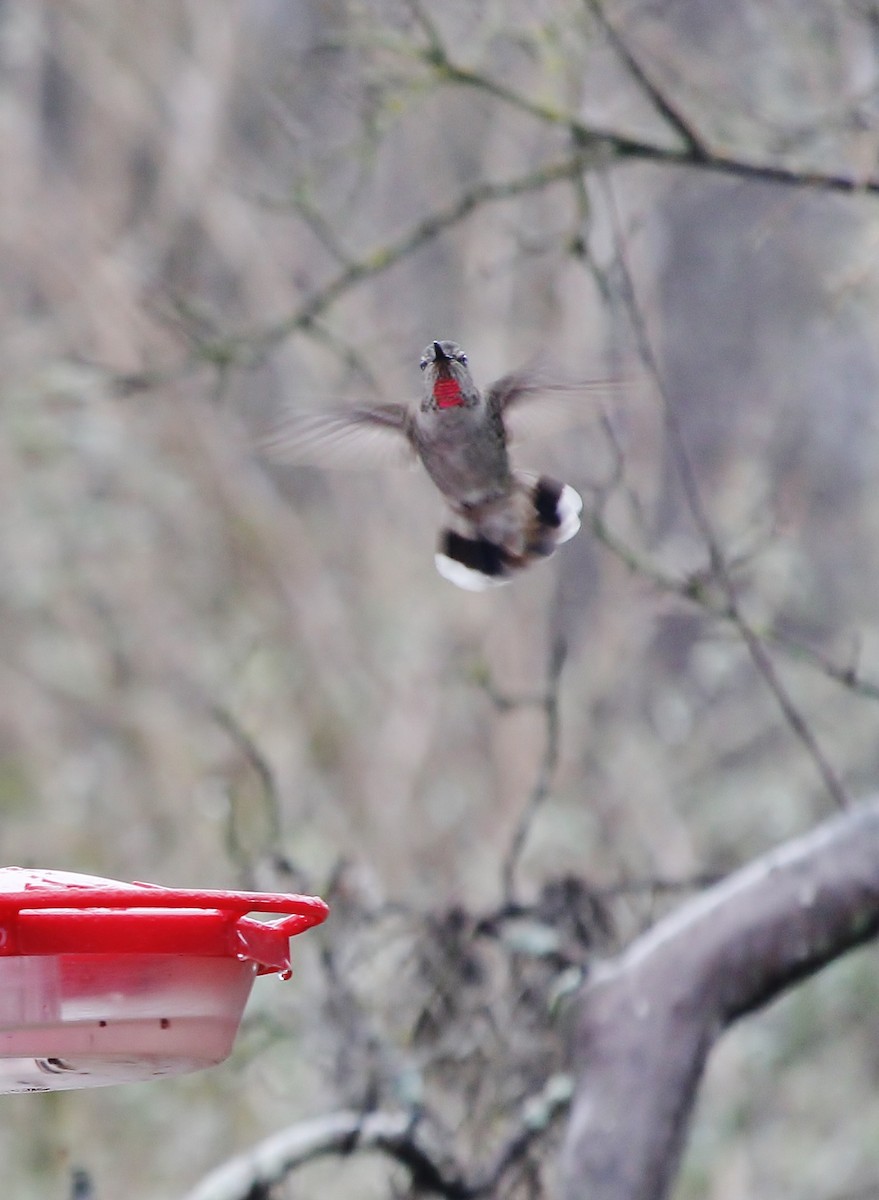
(447, 393)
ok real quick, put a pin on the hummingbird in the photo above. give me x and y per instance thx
(501, 520)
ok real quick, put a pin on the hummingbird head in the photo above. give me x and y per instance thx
(447, 381)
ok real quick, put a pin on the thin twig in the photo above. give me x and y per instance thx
(666, 109)
(420, 234)
(692, 590)
(720, 570)
(539, 1114)
(345, 352)
(319, 226)
(848, 677)
(657, 886)
(271, 797)
(545, 772)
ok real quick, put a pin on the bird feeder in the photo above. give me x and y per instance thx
(105, 982)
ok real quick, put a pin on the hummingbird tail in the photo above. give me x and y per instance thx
(557, 509)
(489, 553)
(472, 563)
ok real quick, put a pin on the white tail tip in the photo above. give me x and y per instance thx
(570, 506)
(466, 577)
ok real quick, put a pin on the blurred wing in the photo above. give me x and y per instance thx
(357, 437)
(533, 406)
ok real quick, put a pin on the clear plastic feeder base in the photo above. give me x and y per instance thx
(152, 1015)
(105, 983)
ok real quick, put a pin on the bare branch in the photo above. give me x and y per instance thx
(420, 234)
(545, 772)
(647, 1022)
(428, 28)
(691, 589)
(539, 1115)
(658, 885)
(399, 1136)
(592, 147)
(649, 1019)
(848, 676)
(720, 570)
(347, 353)
(341, 1133)
(268, 787)
(659, 100)
(608, 146)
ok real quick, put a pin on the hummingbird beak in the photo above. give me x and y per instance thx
(438, 353)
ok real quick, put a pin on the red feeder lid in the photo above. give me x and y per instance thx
(59, 912)
(104, 982)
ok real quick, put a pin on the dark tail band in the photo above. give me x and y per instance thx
(477, 554)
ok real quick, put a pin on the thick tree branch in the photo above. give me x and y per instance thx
(649, 1019)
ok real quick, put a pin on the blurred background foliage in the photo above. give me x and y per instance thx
(214, 674)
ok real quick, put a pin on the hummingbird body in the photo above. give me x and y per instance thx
(502, 520)
(464, 451)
